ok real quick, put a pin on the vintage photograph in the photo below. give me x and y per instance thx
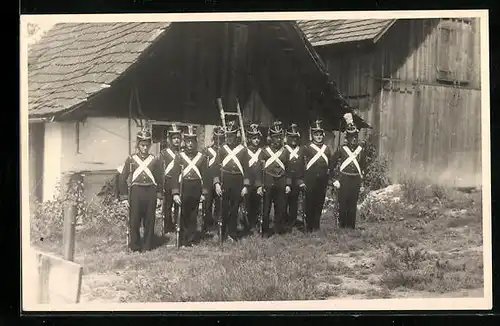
(337, 160)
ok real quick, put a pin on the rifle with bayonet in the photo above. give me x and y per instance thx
(261, 217)
(179, 213)
(220, 224)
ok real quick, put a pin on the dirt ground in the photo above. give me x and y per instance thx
(438, 254)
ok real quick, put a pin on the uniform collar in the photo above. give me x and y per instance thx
(232, 146)
(142, 156)
(317, 144)
(191, 154)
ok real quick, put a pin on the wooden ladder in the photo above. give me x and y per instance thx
(223, 115)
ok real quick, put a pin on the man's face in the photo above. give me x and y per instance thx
(231, 139)
(255, 141)
(318, 136)
(352, 140)
(190, 144)
(176, 140)
(277, 140)
(144, 146)
(293, 141)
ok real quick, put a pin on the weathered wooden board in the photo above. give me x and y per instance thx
(53, 279)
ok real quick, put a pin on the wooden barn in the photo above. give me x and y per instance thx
(417, 82)
(90, 84)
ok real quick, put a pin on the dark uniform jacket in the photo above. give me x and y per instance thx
(167, 156)
(275, 170)
(151, 175)
(341, 155)
(198, 172)
(230, 166)
(295, 164)
(211, 171)
(254, 166)
(321, 166)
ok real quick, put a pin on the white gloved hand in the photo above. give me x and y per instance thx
(177, 199)
(218, 189)
(336, 184)
(287, 189)
(244, 191)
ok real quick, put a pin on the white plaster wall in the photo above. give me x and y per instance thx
(52, 158)
(103, 144)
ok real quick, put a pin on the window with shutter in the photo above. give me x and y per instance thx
(454, 50)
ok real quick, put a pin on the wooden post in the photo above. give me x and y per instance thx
(69, 230)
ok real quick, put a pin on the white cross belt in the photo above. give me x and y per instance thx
(320, 152)
(352, 157)
(191, 165)
(143, 167)
(254, 157)
(274, 157)
(294, 152)
(231, 155)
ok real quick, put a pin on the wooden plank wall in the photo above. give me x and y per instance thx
(422, 126)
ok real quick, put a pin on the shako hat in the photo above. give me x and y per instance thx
(276, 128)
(218, 131)
(190, 132)
(174, 130)
(317, 126)
(351, 130)
(144, 135)
(254, 130)
(293, 131)
(231, 128)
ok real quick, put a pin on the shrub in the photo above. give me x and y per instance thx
(373, 210)
(98, 218)
(377, 171)
(47, 217)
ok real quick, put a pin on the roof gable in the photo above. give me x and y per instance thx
(328, 32)
(74, 61)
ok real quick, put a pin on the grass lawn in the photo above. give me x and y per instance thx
(430, 246)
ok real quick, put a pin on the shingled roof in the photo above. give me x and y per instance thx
(327, 32)
(74, 61)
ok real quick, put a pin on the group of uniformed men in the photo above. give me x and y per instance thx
(229, 174)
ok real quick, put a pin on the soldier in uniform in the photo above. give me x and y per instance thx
(168, 156)
(349, 176)
(276, 183)
(192, 165)
(141, 183)
(296, 173)
(254, 151)
(232, 180)
(317, 158)
(211, 207)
